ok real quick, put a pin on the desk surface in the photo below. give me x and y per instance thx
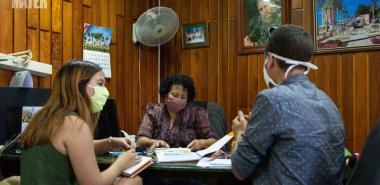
(179, 166)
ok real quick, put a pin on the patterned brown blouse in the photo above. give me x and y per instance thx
(191, 123)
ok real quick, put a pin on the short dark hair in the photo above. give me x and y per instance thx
(292, 42)
(186, 81)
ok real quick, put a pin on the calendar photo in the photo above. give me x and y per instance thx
(96, 46)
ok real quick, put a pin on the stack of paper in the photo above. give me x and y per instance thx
(208, 162)
(181, 156)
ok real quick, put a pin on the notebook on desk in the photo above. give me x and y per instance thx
(145, 162)
(170, 156)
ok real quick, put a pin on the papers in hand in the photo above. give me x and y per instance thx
(208, 162)
(138, 167)
(180, 156)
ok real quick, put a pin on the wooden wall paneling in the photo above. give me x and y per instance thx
(149, 83)
(307, 14)
(223, 53)
(374, 85)
(204, 11)
(88, 3)
(173, 49)
(113, 19)
(253, 80)
(45, 57)
(143, 79)
(45, 17)
(296, 17)
(128, 60)
(87, 15)
(56, 54)
(56, 16)
(112, 82)
(242, 82)
(96, 12)
(232, 71)
(155, 77)
(213, 70)
(260, 64)
(203, 74)
(77, 29)
(231, 9)
(33, 43)
(135, 8)
(19, 32)
(213, 9)
(33, 18)
(6, 37)
(361, 104)
(135, 93)
(120, 7)
(333, 83)
(104, 13)
(67, 31)
(348, 98)
(194, 67)
(296, 4)
(120, 70)
(311, 74)
(321, 75)
(186, 53)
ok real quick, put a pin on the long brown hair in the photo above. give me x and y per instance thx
(68, 95)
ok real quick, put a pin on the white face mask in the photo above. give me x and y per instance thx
(269, 80)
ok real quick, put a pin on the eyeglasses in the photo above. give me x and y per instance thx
(271, 30)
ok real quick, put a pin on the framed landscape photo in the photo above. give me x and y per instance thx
(345, 25)
(254, 18)
(195, 35)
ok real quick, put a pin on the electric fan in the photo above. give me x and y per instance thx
(155, 27)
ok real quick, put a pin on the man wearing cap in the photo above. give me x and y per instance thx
(295, 134)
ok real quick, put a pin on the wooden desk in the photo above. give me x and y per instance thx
(182, 171)
(185, 171)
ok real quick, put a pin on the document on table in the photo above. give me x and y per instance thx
(172, 156)
(208, 162)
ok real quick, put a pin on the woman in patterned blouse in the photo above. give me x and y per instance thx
(175, 123)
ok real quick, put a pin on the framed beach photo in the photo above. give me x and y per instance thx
(345, 25)
(195, 35)
(254, 18)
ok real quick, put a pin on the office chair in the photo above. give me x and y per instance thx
(216, 116)
(367, 169)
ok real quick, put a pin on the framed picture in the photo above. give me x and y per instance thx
(255, 17)
(195, 35)
(346, 25)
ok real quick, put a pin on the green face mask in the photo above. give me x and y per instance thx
(98, 100)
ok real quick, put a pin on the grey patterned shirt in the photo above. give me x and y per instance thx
(295, 136)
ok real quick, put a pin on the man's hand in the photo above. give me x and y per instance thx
(239, 124)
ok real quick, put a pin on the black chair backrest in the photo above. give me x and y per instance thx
(367, 169)
(108, 123)
(217, 119)
(216, 116)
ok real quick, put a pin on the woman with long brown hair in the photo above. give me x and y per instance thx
(58, 143)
